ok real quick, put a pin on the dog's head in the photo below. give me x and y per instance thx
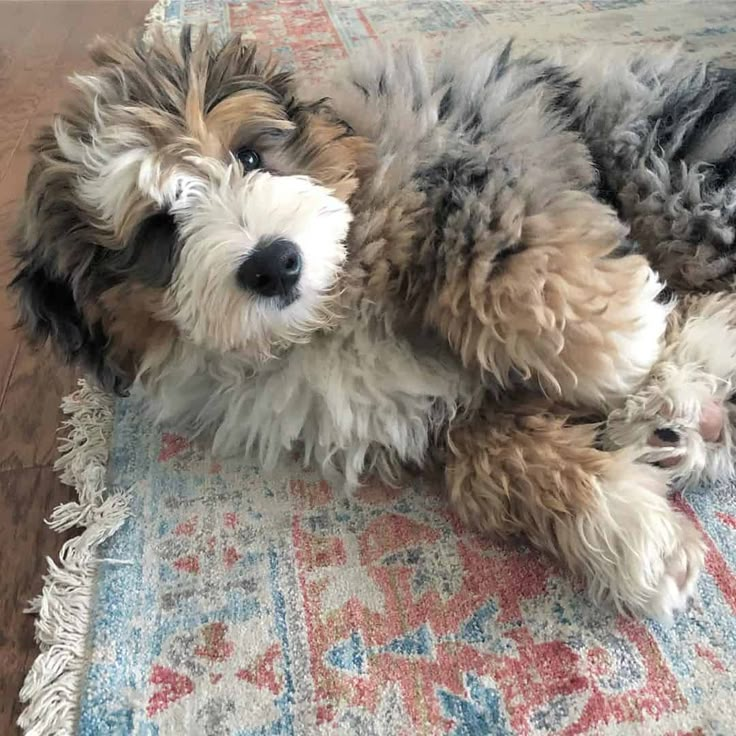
(184, 193)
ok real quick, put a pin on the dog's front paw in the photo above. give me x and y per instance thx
(683, 417)
(639, 554)
(673, 440)
(681, 422)
(678, 576)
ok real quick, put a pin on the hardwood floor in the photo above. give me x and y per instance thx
(41, 43)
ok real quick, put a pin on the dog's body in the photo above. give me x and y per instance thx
(426, 271)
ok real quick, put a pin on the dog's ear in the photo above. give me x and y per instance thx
(329, 150)
(54, 248)
(48, 311)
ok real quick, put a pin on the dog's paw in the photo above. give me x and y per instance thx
(641, 556)
(690, 434)
(678, 577)
(672, 438)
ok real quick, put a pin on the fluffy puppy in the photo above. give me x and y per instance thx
(421, 268)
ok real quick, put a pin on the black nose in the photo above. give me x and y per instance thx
(272, 269)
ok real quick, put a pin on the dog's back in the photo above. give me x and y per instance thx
(652, 135)
(662, 130)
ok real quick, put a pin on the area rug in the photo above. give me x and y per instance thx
(205, 599)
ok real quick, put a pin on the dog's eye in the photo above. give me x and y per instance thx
(249, 159)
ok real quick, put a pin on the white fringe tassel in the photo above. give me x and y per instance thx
(52, 688)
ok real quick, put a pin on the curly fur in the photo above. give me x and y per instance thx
(468, 294)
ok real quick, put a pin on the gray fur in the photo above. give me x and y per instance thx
(663, 132)
(660, 131)
(479, 130)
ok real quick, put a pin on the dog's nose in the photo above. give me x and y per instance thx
(272, 269)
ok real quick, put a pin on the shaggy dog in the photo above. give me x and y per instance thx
(424, 269)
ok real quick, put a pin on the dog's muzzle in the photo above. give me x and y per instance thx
(272, 270)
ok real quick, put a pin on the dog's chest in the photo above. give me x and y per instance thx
(344, 396)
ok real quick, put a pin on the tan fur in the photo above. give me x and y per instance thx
(342, 160)
(552, 313)
(374, 276)
(239, 117)
(522, 473)
(134, 318)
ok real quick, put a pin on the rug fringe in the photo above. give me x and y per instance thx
(51, 688)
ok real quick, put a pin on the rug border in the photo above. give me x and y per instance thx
(52, 688)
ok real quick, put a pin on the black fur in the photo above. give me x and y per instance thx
(47, 310)
(149, 258)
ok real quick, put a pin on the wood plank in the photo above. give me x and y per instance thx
(33, 62)
(26, 497)
(30, 414)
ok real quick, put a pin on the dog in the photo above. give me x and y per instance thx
(450, 268)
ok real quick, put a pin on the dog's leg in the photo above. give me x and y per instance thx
(554, 306)
(684, 417)
(603, 515)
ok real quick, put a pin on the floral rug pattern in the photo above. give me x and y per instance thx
(233, 603)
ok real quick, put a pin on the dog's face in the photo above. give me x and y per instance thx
(184, 193)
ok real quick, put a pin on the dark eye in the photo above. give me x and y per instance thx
(249, 159)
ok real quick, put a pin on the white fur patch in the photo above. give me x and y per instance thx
(637, 552)
(358, 399)
(637, 349)
(220, 224)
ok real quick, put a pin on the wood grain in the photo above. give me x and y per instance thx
(41, 43)
(27, 497)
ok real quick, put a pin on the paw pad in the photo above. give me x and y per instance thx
(664, 437)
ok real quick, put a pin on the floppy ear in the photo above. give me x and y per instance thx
(48, 310)
(52, 229)
(329, 149)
